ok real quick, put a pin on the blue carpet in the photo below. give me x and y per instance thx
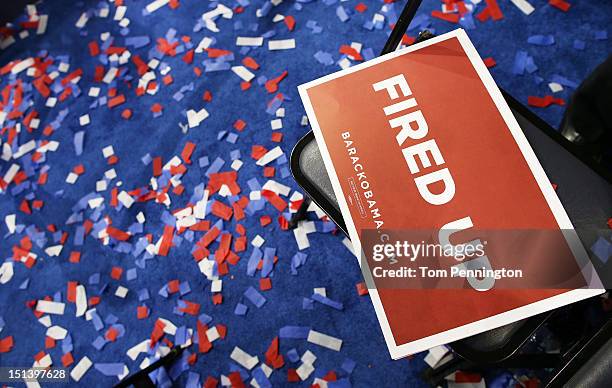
(329, 264)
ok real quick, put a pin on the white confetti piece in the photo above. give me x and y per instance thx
(327, 341)
(276, 124)
(81, 300)
(243, 358)
(54, 251)
(249, 41)
(80, 368)
(84, 120)
(270, 156)
(435, 354)
(50, 307)
(194, 118)
(42, 24)
(236, 164)
(6, 272)
(304, 371)
(524, 6)
(22, 65)
(82, 20)
(10, 220)
(555, 87)
(125, 199)
(284, 44)
(212, 334)
(210, 16)
(155, 5)
(10, 173)
(57, 332)
(199, 210)
(121, 292)
(257, 241)
(135, 350)
(276, 187)
(216, 285)
(243, 73)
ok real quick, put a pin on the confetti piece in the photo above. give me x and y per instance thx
(560, 4)
(324, 340)
(80, 368)
(524, 6)
(249, 41)
(243, 358)
(285, 44)
(49, 307)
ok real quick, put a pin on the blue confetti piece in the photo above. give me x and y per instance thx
(253, 262)
(294, 332)
(324, 58)
(193, 380)
(341, 13)
(520, 61)
(601, 35)
(541, 40)
(579, 44)
(348, 365)
(602, 248)
(307, 304)
(241, 309)
(99, 343)
(255, 297)
(293, 355)
(110, 369)
(326, 301)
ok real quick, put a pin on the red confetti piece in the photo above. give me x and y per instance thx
(67, 360)
(290, 22)
(188, 57)
(449, 17)
(489, 62)
(245, 85)
(250, 63)
(236, 380)
(560, 4)
(292, 376)
(156, 108)
(115, 101)
(610, 223)
(211, 382)
(94, 49)
(362, 289)
(117, 234)
(272, 84)
(239, 125)
(265, 284)
(126, 114)
(49, 343)
(142, 312)
(116, 273)
(361, 8)
(111, 334)
(543, 102)
(351, 52)
(274, 199)
(187, 151)
(221, 210)
(277, 137)
(75, 257)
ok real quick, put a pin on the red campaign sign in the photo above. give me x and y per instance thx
(421, 139)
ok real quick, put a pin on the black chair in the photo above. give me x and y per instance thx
(585, 189)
